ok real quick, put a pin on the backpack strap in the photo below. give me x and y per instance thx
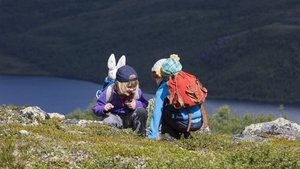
(109, 92)
(189, 120)
(204, 115)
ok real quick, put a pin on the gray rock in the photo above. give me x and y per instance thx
(80, 122)
(70, 121)
(253, 138)
(56, 115)
(34, 113)
(280, 128)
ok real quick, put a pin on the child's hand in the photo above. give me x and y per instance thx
(131, 105)
(108, 106)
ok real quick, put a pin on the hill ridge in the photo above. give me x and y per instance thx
(239, 50)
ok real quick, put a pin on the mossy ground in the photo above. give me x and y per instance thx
(52, 144)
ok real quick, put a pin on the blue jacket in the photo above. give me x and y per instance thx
(160, 96)
(119, 107)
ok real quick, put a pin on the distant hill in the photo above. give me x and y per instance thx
(239, 49)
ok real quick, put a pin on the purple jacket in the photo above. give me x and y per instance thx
(119, 107)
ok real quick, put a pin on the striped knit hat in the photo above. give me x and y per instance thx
(171, 66)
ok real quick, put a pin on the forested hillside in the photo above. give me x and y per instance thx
(238, 49)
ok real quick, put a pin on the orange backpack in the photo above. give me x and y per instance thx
(185, 90)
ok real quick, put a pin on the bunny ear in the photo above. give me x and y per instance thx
(122, 61)
(111, 62)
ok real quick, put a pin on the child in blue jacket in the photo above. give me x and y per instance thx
(173, 122)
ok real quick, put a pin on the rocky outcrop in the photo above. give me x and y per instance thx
(13, 114)
(37, 113)
(32, 115)
(280, 128)
(259, 132)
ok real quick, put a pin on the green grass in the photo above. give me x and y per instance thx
(52, 144)
(224, 121)
(102, 147)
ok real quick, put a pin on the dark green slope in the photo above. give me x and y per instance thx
(239, 49)
(263, 65)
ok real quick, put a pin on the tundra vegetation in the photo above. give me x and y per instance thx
(53, 143)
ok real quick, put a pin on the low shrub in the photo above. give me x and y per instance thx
(225, 122)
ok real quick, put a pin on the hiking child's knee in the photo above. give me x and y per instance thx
(113, 123)
(141, 112)
(113, 120)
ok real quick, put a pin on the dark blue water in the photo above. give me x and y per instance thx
(49, 93)
(64, 95)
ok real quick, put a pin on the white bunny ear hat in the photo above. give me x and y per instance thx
(113, 67)
(121, 62)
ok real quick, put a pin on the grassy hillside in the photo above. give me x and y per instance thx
(53, 144)
(239, 49)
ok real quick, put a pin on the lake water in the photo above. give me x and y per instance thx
(64, 95)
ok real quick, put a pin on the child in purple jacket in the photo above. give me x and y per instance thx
(122, 104)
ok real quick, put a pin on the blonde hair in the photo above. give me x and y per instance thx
(156, 74)
(122, 87)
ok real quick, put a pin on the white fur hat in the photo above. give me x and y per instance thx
(157, 66)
